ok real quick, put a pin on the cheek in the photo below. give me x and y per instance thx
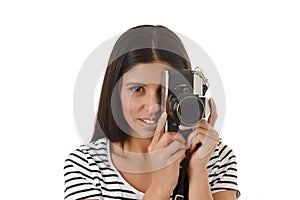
(128, 106)
(131, 106)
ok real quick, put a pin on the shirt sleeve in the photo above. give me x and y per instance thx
(80, 179)
(224, 171)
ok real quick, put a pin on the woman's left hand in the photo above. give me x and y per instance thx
(208, 136)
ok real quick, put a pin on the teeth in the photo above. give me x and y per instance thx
(148, 121)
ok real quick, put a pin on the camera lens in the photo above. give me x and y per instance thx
(190, 110)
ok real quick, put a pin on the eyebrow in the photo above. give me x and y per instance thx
(134, 83)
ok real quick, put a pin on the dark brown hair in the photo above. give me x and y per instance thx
(141, 44)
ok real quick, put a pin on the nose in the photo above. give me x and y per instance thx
(152, 103)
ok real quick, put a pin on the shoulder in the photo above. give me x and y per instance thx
(222, 168)
(86, 160)
(89, 173)
(81, 171)
(87, 153)
(222, 154)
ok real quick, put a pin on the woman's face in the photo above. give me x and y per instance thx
(140, 97)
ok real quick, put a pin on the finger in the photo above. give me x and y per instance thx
(181, 152)
(205, 150)
(161, 123)
(181, 127)
(179, 137)
(158, 132)
(210, 134)
(174, 159)
(171, 149)
(192, 135)
(207, 145)
(213, 112)
(196, 139)
(169, 155)
(167, 138)
(202, 123)
(206, 135)
(206, 139)
(176, 156)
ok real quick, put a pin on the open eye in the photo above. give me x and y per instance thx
(138, 88)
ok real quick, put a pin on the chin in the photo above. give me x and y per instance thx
(142, 133)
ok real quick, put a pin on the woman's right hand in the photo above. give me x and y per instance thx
(170, 147)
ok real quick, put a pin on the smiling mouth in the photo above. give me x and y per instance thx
(147, 123)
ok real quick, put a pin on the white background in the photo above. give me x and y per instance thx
(255, 45)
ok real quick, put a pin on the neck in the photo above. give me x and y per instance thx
(137, 145)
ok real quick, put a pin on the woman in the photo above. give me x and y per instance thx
(130, 155)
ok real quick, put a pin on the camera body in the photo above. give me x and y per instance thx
(183, 98)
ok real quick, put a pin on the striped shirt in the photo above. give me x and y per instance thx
(90, 173)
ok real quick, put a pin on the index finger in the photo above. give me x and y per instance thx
(158, 131)
(213, 113)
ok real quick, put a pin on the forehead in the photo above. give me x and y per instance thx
(146, 73)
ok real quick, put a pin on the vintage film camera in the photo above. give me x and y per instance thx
(183, 98)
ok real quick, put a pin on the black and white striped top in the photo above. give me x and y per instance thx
(89, 173)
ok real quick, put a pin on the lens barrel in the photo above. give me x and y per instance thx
(186, 110)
